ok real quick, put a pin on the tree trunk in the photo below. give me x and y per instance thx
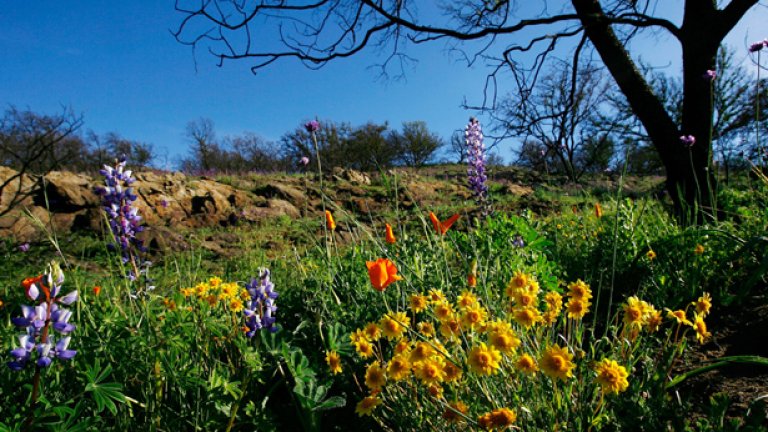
(690, 180)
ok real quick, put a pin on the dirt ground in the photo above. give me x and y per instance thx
(735, 332)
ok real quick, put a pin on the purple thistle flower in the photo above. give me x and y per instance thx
(260, 308)
(476, 158)
(710, 75)
(757, 46)
(24, 247)
(688, 140)
(312, 126)
(304, 161)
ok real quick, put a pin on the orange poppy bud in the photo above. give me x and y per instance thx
(382, 272)
(390, 236)
(598, 210)
(329, 222)
(472, 280)
(442, 227)
(97, 290)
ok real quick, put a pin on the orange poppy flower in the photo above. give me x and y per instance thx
(329, 222)
(27, 283)
(390, 236)
(442, 227)
(97, 290)
(598, 210)
(382, 272)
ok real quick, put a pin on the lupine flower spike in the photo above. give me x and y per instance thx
(260, 307)
(124, 219)
(476, 159)
(37, 344)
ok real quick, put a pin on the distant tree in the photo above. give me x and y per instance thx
(332, 139)
(204, 150)
(369, 149)
(110, 146)
(255, 153)
(34, 144)
(415, 145)
(558, 115)
(458, 146)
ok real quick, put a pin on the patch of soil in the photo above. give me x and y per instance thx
(736, 331)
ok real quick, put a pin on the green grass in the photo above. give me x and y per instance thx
(155, 359)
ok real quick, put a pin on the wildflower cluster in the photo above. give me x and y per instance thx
(758, 46)
(476, 158)
(37, 343)
(124, 219)
(444, 347)
(255, 300)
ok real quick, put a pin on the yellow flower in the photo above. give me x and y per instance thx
(556, 362)
(393, 326)
(499, 418)
(201, 289)
(399, 368)
(453, 373)
(364, 348)
(430, 371)
(436, 296)
(214, 281)
(701, 327)
(466, 299)
(187, 292)
(443, 311)
(611, 376)
(403, 346)
(699, 249)
(450, 328)
(519, 280)
(228, 290)
(329, 222)
(367, 405)
(579, 290)
(236, 305)
(436, 391)
(421, 351)
(703, 304)
(679, 316)
(418, 303)
(453, 412)
(526, 364)
(426, 328)
(357, 336)
(375, 376)
(504, 340)
(334, 361)
(484, 360)
(526, 316)
(372, 332)
(651, 254)
(473, 316)
(653, 321)
(554, 301)
(633, 312)
(577, 308)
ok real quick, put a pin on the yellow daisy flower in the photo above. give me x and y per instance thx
(443, 311)
(701, 327)
(579, 290)
(426, 328)
(399, 368)
(505, 341)
(375, 376)
(484, 360)
(679, 316)
(367, 405)
(417, 303)
(577, 308)
(633, 312)
(526, 364)
(556, 362)
(430, 371)
(394, 325)
(372, 332)
(526, 316)
(611, 376)
(334, 361)
(703, 304)
(364, 348)
(473, 316)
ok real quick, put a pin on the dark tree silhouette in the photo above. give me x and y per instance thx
(324, 30)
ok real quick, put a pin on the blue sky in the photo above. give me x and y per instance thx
(118, 65)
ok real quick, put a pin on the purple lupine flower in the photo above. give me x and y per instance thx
(260, 308)
(312, 126)
(24, 247)
(476, 158)
(710, 75)
(36, 321)
(757, 46)
(518, 242)
(124, 219)
(688, 140)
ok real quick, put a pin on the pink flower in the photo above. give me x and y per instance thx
(710, 75)
(304, 161)
(688, 140)
(312, 126)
